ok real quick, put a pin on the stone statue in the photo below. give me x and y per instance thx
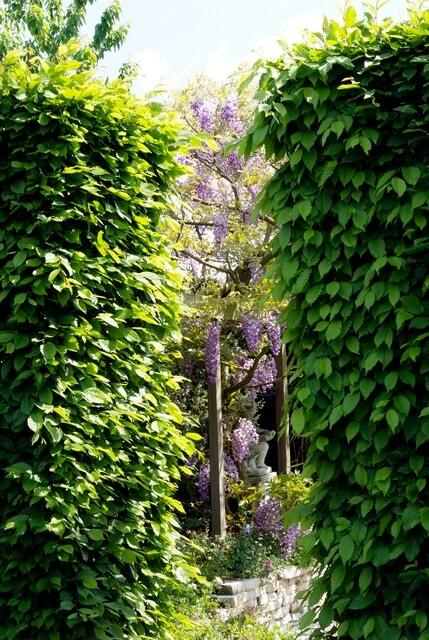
(254, 468)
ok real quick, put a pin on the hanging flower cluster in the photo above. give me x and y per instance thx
(242, 439)
(203, 478)
(251, 328)
(213, 351)
(268, 520)
(274, 333)
(220, 229)
(205, 111)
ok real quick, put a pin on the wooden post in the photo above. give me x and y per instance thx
(217, 482)
(282, 418)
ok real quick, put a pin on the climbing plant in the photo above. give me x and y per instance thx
(89, 438)
(348, 112)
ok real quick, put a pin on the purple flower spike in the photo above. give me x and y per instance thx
(213, 351)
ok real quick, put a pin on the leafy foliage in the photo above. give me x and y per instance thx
(350, 111)
(89, 312)
(44, 26)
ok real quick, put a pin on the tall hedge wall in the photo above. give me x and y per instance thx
(351, 114)
(88, 307)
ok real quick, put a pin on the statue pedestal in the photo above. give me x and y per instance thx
(260, 479)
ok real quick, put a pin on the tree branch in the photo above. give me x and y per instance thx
(228, 391)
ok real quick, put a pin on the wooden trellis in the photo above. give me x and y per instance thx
(217, 472)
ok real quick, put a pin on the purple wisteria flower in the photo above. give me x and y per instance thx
(242, 439)
(264, 377)
(204, 191)
(213, 351)
(220, 229)
(252, 332)
(231, 164)
(231, 470)
(229, 115)
(203, 478)
(268, 520)
(274, 333)
(203, 482)
(205, 111)
(256, 273)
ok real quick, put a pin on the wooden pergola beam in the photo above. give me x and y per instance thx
(217, 472)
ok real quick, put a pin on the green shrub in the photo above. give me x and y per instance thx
(351, 112)
(89, 442)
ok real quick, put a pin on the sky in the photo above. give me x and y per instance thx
(173, 40)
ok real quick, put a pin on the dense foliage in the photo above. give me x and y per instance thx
(350, 111)
(45, 26)
(89, 313)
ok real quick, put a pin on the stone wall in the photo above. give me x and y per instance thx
(276, 600)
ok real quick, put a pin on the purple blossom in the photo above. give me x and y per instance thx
(213, 351)
(256, 273)
(288, 540)
(203, 478)
(187, 369)
(252, 332)
(229, 115)
(220, 229)
(203, 482)
(204, 191)
(205, 111)
(243, 437)
(231, 164)
(231, 470)
(254, 190)
(274, 334)
(268, 521)
(247, 216)
(264, 376)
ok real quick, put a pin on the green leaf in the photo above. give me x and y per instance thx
(391, 380)
(411, 174)
(19, 258)
(424, 517)
(333, 330)
(399, 186)
(298, 421)
(346, 548)
(392, 418)
(95, 396)
(48, 350)
(96, 534)
(337, 577)
(365, 578)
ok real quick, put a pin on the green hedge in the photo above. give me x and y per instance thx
(89, 438)
(352, 255)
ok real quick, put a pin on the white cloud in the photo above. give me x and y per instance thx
(291, 31)
(222, 63)
(154, 70)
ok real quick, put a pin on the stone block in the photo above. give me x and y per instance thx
(232, 587)
(236, 600)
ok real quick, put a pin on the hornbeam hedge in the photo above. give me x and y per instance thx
(350, 110)
(89, 438)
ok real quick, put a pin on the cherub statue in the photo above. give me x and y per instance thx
(255, 467)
